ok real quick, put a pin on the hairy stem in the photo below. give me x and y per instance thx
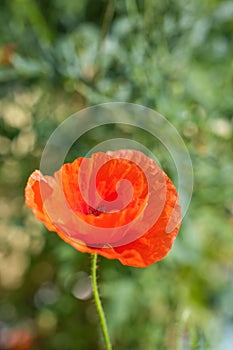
(98, 303)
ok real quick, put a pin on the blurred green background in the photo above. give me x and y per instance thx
(174, 56)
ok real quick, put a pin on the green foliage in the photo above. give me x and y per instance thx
(173, 56)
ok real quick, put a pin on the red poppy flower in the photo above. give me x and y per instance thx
(118, 204)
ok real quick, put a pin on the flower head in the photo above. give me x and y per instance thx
(118, 204)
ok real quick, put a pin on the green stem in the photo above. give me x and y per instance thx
(98, 303)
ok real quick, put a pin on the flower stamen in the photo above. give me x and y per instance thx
(95, 211)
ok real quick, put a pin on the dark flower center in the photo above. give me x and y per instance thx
(95, 211)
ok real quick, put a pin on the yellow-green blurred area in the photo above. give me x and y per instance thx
(57, 57)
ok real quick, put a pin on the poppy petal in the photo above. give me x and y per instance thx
(33, 198)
